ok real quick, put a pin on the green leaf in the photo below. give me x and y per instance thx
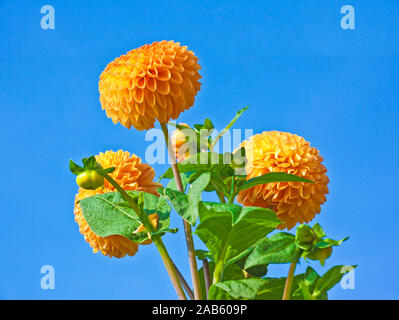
(326, 243)
(228, 229)
(186, 205)
(271, 177)
(199, 127)
(218, 183)
(251, 289)
(74, 168)
(154, 204)
(167, 230)
(208, 124)
(106, 216)
(258, 271)
(179, 201)
(233, 272)
(199, 163)
(245, 289)
(194, 195)
(255, 289)
(311, 276)
(231, 123)
(280, 248)
(335, 242)
(239, 261)
(109, 214)
(185, 178)
(203, 254)
(243, 255)
(329, 280)
(304, 289)
(181, 126)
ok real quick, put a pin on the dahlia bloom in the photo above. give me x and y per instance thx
(293, 202)
(178, 141)
(131, 174)
(153, 82)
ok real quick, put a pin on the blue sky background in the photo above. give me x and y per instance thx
(289, 59)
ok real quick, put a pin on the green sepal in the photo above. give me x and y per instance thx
(107, 170)
(318, 230)
(74, 168)
(305, 235)
(90, 163)
(208, 124)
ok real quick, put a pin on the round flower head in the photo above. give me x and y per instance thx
(293, 202)
(153, 82)
(131, 174)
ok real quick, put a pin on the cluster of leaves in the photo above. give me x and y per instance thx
(240, 249)
(89, 163)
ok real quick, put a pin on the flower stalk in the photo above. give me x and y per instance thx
(184, 283)
(217, 273)
(169, 265)
(290, 278)
(187, 226)
(207, 276)
(221, 197)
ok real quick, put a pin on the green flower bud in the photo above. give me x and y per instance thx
(90, 180)
(320, 254)
(305, 234)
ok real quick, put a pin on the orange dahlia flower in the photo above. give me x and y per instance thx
(153, 82)
(293, 202)
(132, 175)
(178, 141)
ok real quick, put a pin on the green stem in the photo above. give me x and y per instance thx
(221, 197)
(157, 241)
(290, 279)
(232, 191)
(170, 267)
(224, 131)
(217, 273)
(187, 226)
(123, 193)
(207, 276)
(184, 283)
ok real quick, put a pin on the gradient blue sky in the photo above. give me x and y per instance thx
(289, 59)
